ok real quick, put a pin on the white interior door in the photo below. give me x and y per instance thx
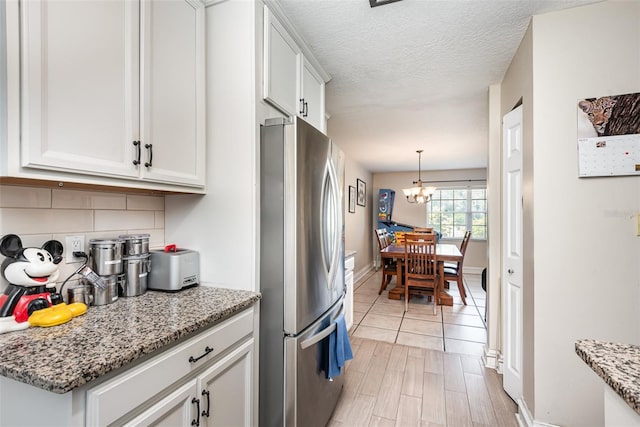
(512, 253)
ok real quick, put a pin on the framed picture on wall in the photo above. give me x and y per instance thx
(362, 192)
(352, 199)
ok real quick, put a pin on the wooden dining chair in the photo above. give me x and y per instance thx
(389, 266)
(420, 267)
(453, 271)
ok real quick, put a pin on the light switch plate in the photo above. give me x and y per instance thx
(637, 224)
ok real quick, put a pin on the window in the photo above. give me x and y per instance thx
(453, 211)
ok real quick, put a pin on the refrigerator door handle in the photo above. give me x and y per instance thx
(322, 334)
(318, 337)
(330, 222)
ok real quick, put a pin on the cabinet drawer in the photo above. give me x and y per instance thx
(116, 397)
(349, 263)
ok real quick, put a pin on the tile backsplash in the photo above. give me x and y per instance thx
(39, 214)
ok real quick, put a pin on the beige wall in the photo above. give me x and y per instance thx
(38, 214)
(416, 214)
(357, 226)
(577, 274)
(494, 229)
(577, 284)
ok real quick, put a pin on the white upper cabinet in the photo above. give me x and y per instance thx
(114, 88)
(80, 87)
(281, 59)
(312, 96)
(291, 83)
(173, 119)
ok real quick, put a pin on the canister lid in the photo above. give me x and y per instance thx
(111, 241)
(134, 236)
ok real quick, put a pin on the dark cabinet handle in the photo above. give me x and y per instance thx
(302, 106)
(306, 109)
(196, 422)
(136, 144)
(207, 350)
(149, 147)
(206, 393)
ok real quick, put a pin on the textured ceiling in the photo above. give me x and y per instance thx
(413, 74)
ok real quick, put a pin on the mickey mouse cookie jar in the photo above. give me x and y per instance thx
(31, 299)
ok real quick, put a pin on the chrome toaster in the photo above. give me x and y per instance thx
(174, 269)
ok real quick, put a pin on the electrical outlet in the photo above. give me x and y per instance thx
(73, 244)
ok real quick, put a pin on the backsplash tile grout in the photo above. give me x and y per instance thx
(39, 214)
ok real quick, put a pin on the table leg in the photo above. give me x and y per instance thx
(398, 291)
(445, 298)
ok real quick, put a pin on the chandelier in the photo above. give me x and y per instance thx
(418, 194)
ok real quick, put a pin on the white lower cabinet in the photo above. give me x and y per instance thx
(221, 396)
(226, 388)
(349, 265)
(177, 409)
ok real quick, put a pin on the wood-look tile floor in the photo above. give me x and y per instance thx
(415, 368)
(396, 385)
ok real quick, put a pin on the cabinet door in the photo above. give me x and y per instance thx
(80, 85)
(313, 96)
(226, 389)
(173, 91)
(281, 62)
(177, 409)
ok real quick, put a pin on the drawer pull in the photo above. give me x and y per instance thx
(149, 148)
(207, 350)
(136, 144)
(206, 393)
(196, 422)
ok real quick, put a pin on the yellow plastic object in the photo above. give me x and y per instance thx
(51, 316)
(77, 308)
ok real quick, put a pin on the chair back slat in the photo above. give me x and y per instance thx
(420, 256)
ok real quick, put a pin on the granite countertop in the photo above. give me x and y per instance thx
(617, 364)
(108, 337)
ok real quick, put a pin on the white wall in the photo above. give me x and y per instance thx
(416, 214)
(586, 251)
(223, 224)
(358, 226)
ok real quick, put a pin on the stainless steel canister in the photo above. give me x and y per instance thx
(135, 244)
(79, 293)
(106, 295)
(136, 272)
(105, 256)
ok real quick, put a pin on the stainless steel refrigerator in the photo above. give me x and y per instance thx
(301, 271)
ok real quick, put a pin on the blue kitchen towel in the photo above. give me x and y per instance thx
(339, 348)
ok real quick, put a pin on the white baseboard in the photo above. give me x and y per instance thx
(472, 270)
(525, 418)
(491, 358)
(361, 273)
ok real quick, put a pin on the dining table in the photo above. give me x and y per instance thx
(444, 252)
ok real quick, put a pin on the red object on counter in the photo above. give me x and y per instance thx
(171, 248)
(21, 312)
